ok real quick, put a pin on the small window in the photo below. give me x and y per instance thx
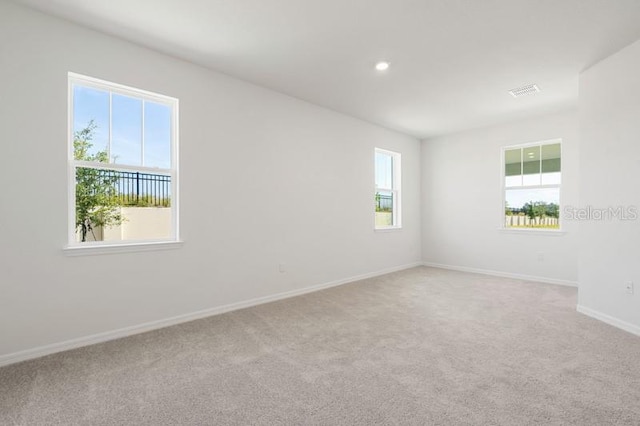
(122, 164)
(387, 195)
(531, 178)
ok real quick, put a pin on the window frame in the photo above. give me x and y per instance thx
(560, 230)
(396, 190)
(74, 247)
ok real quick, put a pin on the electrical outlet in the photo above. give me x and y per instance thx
(540, 257)
(282, 268)
(629, 287)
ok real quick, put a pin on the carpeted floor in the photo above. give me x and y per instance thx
(423, 346)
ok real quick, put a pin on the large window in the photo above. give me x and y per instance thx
(387, 194)
(531, 179)
(122, 164)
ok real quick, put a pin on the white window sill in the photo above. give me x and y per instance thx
(93, 249)
(388, 229)
(524, 231)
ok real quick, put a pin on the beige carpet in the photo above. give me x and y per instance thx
(423, 346)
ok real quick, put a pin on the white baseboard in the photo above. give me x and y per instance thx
(618, 323)
(41, 351)
(502, 274)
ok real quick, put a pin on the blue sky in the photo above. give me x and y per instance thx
(383, 169)
(126, 141)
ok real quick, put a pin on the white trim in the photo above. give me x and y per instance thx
(120, 167)
(505, 188)
(71, 169)
(396, 190)
(41, 351)
(110, 140)
(534, 143)
(89, 248)
(607, 319)
(77, 80)
(175, 163)
(120, 89)
(523, 277)
(532, 231)
(388, 229)
(546, 186)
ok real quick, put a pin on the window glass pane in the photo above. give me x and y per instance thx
(97, 202)
(90, 123)
(551, 163)
(551, 158)
(531, 160)
(114, 205)
(384, 208)
(511, 181)
(157, 135)
(384, 170)
(531, 166)
(551, 178)
(126, 127)
(531, 180)
(532, 208)
(512, 160)
(513, 167)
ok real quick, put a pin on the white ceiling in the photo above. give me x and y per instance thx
(452, 61)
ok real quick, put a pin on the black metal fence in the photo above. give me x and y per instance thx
(139, 189)
(384, 203)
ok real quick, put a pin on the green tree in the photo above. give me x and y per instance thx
(529, 210)
(507, 209)
(97, 201)
(553, 210)
(540, 210)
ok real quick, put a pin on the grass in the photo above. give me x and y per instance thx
(535, 227)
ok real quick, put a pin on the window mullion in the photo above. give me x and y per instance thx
(110, 127)
(122, 167)
(142, 134)
(551, 186)
(395, 207)
(521, 166)
(540, 165)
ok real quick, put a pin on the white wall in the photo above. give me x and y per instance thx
(609, 176)
(141, 223)
(462, 202)
(274, 159)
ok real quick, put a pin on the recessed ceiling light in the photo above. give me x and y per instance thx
(524, 90)
(382, 66)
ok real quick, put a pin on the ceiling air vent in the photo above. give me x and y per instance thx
(524, 90)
